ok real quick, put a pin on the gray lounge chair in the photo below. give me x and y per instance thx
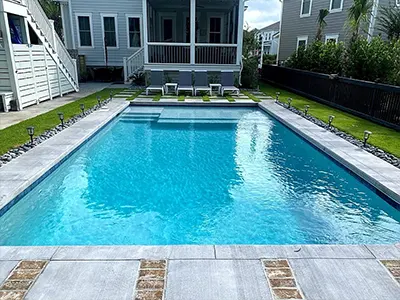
(227, 82)
(201, 82)
(157, 82)
(185, 82)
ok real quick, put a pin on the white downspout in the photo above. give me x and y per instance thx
(72, 24)
(372, 20)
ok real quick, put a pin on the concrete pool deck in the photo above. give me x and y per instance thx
(313, 272)
(197, 272)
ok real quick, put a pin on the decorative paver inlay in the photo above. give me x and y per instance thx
(393, 267)
(281, 279)
(21, 278)
(151, 281)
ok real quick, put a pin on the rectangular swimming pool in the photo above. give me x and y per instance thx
(179, 175)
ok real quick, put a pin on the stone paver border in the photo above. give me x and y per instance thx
(151, 280)
(393, 266)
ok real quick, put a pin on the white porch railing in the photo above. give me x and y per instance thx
(217, 54)
(169, 53)
(66, 59)
(42, 21)
(133, 63)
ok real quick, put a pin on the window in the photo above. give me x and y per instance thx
(85, 30)
(331, 38)
(398, 2)
(336, 5)
(305, 8)
(134, 36)
(302, 41)
(215, 30)
(110, 31)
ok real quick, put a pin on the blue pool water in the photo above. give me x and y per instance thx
(199, 176)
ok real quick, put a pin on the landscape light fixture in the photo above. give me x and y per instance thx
(277, 96)
(366, 136)
(99, 100)
(61, 117)
(82, 106)
(289, 100)
(31, 132)
(111, 95)
(306, 108)
(330, 120)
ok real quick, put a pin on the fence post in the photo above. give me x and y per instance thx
(125, 71)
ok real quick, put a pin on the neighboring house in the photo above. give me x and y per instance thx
(34, 64)
(299, 22)
(156, 34)
(269, 38)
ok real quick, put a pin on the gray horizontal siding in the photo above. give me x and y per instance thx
(95, 56)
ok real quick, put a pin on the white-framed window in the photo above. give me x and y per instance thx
(305, 9)
(215, 30)
(133, 28)
(397, 2)
(331, 38)
(302, 41)
(110, 30)
(85, 30)
(336, 6)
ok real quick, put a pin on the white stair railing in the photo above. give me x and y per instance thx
(47, 28)
(133, 63)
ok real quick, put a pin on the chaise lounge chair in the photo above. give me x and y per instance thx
(227, 82)
(185, 82)
(201, 82)
(157, 82)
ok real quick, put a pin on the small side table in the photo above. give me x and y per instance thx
(215, 85)
(172, 85)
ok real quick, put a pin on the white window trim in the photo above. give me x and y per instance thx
(336, 9)
(115, 16)
(213, 15)
(172, 16)
(301, 38)
(91, 30)
(332, 37)
(127, 30)
(301, 10)
(398, 3)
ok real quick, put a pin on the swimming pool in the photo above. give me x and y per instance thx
(175, 175)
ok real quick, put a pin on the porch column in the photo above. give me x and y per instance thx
(145, 33)
(192, 32)
(240, 32)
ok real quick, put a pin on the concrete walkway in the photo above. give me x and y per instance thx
(313, 272)
(14, 117)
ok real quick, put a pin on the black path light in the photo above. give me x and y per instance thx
(330, 120)
(82, 106)
(277, 96)
(31, 132)
(306, 108)
(289, 100)
(111, 95)
(366, 136)
(99, 100)
(61, 117)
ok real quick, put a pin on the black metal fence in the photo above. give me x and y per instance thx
(377, 102)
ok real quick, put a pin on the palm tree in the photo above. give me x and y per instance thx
(321, 23)
(53, 12)
(389, 22)
(359, 16)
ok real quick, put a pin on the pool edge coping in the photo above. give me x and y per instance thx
(360, 170)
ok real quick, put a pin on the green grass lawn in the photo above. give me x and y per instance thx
(16, 135)
(382, 137)
(135, 95)
(251, 96)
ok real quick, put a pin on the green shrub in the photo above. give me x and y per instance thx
(269, 59)
(250, 73)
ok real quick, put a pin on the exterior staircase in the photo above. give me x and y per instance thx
(44, 29)
(133, 64)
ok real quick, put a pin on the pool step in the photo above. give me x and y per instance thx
(139, 117)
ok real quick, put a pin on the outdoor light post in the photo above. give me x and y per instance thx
(330, 120)
(277, 97)
(306, 108)
(99, 100)
(31, 132)
(289, 100)
(82, 106)
(111, 95)
(61, 117)
(366, 136)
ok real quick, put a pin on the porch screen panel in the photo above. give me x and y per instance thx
(109, 31)
(84, 31)
(134, 32)
(215, 30)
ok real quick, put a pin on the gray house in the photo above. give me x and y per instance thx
(299, 22)
(156, 34)
(269, 37)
